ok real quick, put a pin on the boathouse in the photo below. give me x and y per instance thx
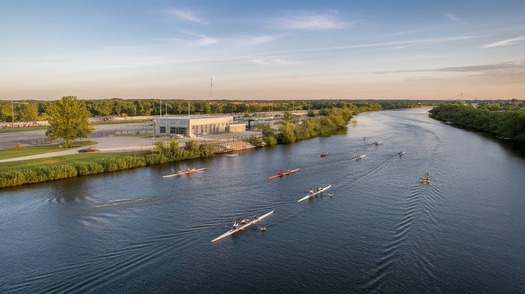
(191, 126)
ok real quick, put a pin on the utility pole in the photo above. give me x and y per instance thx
(12, 114)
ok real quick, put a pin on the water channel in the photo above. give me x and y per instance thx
(382, 231)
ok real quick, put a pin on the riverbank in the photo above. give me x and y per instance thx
(15, 173)
(508, 124)
(71, 163)
(54, 168)
(114, 152)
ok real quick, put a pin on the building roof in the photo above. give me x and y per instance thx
(192, 117)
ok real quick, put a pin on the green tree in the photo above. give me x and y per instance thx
(287, 134)
(255, 141)
(287, 117)
(6, 113)
(68, 120)
(28, 112)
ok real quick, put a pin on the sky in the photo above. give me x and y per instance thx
(253, 49)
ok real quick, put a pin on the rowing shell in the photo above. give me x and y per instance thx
(241, 228)
(310, 195)
(178, 174)
(359, 157)
(286, 173)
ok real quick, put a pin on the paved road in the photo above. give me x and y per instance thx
(104, 144)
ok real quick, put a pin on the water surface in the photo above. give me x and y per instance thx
(382, 231)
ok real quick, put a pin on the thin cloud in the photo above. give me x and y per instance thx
(503, 69)
(453, 17)
(186, 15)
(198, 40)
(327, 20)
(421, 78)
(506, 42)
(272, 60)
(202, 41)
(510, 69)
(396, 44)
(402, 33)
(255, 40)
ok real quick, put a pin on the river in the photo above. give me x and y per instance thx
(382, 231)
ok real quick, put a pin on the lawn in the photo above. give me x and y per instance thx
(57, 160)
(40, 149)
(15, 130)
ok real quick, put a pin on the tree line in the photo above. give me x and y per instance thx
(33, 110)
(501, 120)
(292, 130)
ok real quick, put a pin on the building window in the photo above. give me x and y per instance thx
(179, 131)
(162, 130)
(172, 130)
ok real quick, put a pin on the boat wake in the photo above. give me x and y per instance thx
(410, 244)
(129, 202)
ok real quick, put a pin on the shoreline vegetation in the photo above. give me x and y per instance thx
(326, 121)
(502, 120)
(83, 164)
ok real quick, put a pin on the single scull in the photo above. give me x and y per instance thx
(358, 157)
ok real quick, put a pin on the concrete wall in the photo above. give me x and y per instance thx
(237, 128)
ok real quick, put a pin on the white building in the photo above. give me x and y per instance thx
(194, 125)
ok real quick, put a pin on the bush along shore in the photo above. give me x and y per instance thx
(328, 122)
(56, 168)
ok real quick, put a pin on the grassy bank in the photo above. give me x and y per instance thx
(40, 149)
(54, 168)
